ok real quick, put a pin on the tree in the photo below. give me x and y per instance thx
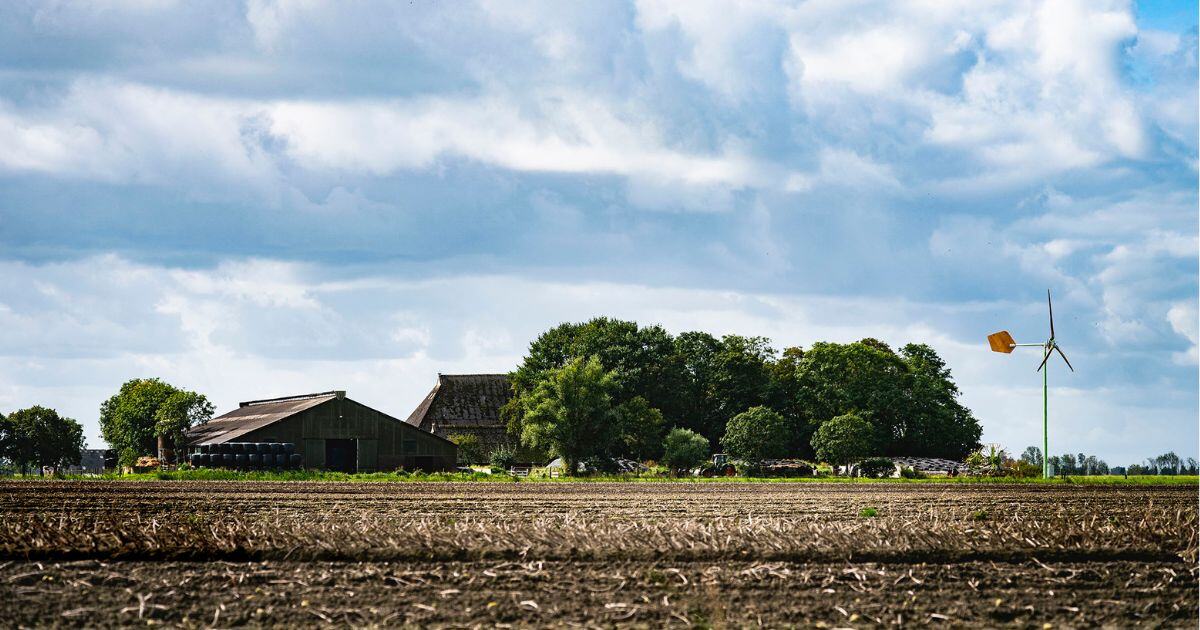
(181, 411)
(722, 378)
(571, 414)
(684, 449)
(642, 362)
(470, 449)
(39, 437)
(843, 439)
(129, 420)
(640, 429)
(757, 433)
(8, 441)
(1032, 455)
(910, 397)
(935, 423)
(1167, 463)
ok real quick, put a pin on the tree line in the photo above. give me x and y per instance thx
(133, 421)
(1083, 464)
(608, 387)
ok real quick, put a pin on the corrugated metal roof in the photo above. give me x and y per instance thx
(254, 415)
(463, 400)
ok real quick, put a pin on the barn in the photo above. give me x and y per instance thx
(331, 432)
(466, 404)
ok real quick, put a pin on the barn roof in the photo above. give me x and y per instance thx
(255, 414)
(463, 400)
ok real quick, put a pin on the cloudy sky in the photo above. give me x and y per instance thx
(253, 199)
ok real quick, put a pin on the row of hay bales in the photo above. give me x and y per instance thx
(247, 456)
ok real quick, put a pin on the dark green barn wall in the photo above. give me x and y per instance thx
(384, 443)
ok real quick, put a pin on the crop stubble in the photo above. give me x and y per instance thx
(220, 553)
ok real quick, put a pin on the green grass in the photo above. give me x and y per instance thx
(868, 512)
(210, 474)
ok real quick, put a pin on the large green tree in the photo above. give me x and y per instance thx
(844, 439)
(131, 422)
(571, 413)
(936, 423)
(757, 433)
(909, 398)
(722, 377)
(639, 429)
(181, 411)
(640, 360)
(38, 437)
(834, 379)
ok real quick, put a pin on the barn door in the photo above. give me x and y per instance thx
(368, 455)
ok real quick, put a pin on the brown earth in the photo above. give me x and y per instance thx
(484, 554)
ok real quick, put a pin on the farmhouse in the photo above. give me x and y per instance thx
(466, 404)
(331, 432)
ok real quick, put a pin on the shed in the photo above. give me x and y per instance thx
(330, 432)
(466, 404)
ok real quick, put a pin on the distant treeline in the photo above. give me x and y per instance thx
(655, 381)
(1082, 464)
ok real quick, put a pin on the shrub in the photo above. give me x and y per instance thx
(470, 449)
(684, 450)
(868, 512)
(1023, 470)
(877, 468)
(757, 433)
(912, 473)
(824, 470)
(503, 456)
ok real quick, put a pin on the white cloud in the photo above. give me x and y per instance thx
(1185, 321)
(385, 338)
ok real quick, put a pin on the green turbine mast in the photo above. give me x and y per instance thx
(1003, 342)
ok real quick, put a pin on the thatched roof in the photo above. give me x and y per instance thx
(463, 401)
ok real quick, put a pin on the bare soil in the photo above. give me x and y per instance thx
(221, 554)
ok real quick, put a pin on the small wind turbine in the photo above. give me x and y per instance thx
(1003, 342)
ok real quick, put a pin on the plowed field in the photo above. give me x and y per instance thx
(644, 554)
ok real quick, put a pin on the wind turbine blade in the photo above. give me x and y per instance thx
(1064, 357)
(1044, 359)
(1051, 305)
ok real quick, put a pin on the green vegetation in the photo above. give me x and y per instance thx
(756, 434)
(38, 437)
(700, 382)
(877, 468)
(146, 409)
(571, 414)
(684, 450)
(844, 439)
(470, 449)
(216, 474)
(868, 512)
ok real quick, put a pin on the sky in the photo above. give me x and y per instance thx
(261, 198)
